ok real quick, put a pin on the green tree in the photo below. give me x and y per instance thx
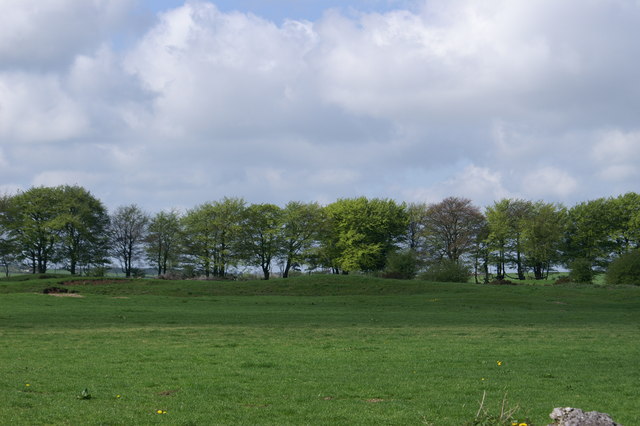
(127, 232)
(262, 236)
(417, 214)
(625, 269)
(163, 241)
(362, 233)
(8, 247)
(211, 235)
(34, 226)
(507, 219)
(542, 236)
(626, 222)
(588, 233)
(83, 222)
(302, 225)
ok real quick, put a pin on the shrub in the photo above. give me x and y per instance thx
(401, 265)
(625, 269)
(447, 271)
(581, 271)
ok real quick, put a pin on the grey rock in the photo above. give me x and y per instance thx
(576, 417)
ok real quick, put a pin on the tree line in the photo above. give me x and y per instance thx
(68, 227)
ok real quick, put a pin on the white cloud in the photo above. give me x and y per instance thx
(36, 33)
(616, 154)
(479, 184)
(549, 182)
(477, 99)
(36, 108)
(65, 177)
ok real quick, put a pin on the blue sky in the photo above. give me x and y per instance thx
(279, 10)
(169, 104)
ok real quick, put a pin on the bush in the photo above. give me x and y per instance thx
(401, 265)
(581, 271)
(447, 271)
(625, 269)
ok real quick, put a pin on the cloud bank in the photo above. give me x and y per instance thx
(478, 99)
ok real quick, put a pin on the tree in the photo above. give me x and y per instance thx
(588, 233)
(127, 232)
(83, 222)
(542, 234)
(451, 227)
(362, 233)
(163, 241)
(32, 218)
(626, 222)
(8, 247)
(417, 218)
(262, 236)
(301, 227)
(211, 235)
(506, 220)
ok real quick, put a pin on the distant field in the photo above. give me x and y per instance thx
(313, 350)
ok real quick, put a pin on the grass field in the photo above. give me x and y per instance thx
(314, 350)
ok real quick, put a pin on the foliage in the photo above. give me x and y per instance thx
(401, 265)
(451, 227)
(127, 232)
(302, 226)
(588, 233)
(542, 232)
(32, 219)
(625, 269)
(8, 246)
(261, 237)
(447, 270)
(163, 241)
(362, 232)
(581, 271)
(83, 223)
(211, 236)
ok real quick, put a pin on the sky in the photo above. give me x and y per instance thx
(170, 104)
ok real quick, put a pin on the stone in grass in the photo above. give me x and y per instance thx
(576, 417)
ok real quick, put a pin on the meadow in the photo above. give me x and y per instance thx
(313, 350)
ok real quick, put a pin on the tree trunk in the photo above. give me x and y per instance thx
(287, 267)
(519, 264)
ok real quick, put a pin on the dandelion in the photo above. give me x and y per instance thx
(523, 424)
(161, 412)
(117, 396)
(499, 363)
(27, 384)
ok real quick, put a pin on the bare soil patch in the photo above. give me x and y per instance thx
(66, 294)
(93, 282)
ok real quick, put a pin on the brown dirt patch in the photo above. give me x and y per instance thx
(373, 400)
(94, 282)
(65, 294)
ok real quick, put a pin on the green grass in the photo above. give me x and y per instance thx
(314, 350)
